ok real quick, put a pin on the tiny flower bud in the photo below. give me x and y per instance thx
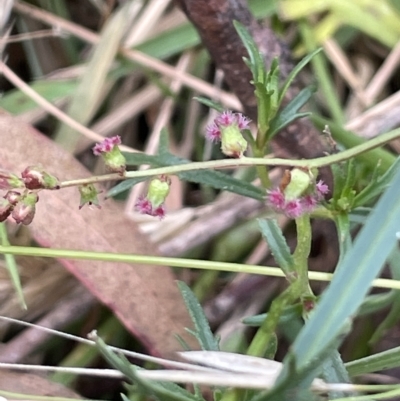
(13, 197)
(153, 203)
(112, 156)
(298, 193)
(158, 191)
(88, 194)
(6, 207)
(36, 177)
(9, 180)
(232, 142)
(298, 185)
(227, 127)
(25, 209)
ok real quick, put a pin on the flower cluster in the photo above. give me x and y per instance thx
(153, 203)
(21, 207)
(113, 158)
(20, 200)
(227, 128)
(298, 194)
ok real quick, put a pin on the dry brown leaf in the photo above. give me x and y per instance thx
(26, 383)
(144, 298)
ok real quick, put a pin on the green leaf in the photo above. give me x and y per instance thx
(383, 360)
(257, 65)
(290, 112)
(124, 186)
(376, 187)
(272, 233)
(12, 267)
(137, 159)
(209, 103)
(160, 390)
(295, 71)
(203, 332)
(351, 283)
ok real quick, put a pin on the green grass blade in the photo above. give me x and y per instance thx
(12, 267)
(383, 360)
(353, 280)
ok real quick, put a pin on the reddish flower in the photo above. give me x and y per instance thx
(25, 209)
(213, 133)
(227, 128)
(153, 203)
(106, 145)
(36, 177)
(111, 154)
(294, 207)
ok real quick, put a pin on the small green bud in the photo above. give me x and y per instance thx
(300, 181)
(88, 194)
(158, 191)
(232, 142)
(115, 160)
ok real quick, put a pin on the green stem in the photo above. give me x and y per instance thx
(173, 262)
(245, 161)
(265, 333)
(302, 251)
(262, 171)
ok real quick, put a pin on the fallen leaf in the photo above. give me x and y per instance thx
(145, 298)
(30, 384)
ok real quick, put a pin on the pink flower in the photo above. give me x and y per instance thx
(296, 207)
(153, 203)
(277, 199)
(227, 128)
(322, 189)
(242, 121)
(144, 206)
(309, 202)
(226, 118)
(111, 154)
(213, 133)
(107, 145)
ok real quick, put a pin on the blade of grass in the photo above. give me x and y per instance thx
(86, 98)
(12, 267)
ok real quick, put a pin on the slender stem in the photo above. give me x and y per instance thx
(302, 251)
(262, 171)
(173, 262)
(266, 331)
(245, 161)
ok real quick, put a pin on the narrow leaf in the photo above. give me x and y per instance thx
(209, 103)
(124, 186)
(295, 71)
(383, 360)
(272, 233)
(257, 63)
(291, 112)
(203, 332)
(12, 267)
